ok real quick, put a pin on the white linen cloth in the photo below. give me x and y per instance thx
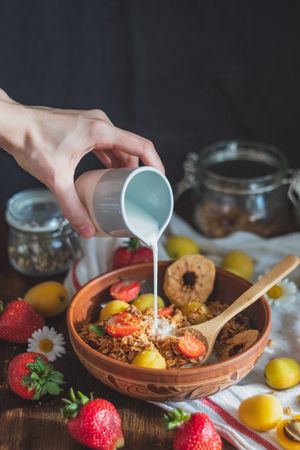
(222, 407)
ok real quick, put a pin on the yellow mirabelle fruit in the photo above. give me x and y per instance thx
(282, 373)
(234, 271)
(49, 298)
(196, 312)
(282, 434)
(178, 246)
(239, 263)
(146, 301)
(260, 412)
(150, 359)
(113, 307)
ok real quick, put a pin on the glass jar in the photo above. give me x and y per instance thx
(239, 186)
(40, 241)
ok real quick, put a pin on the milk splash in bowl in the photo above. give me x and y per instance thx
(147, 202)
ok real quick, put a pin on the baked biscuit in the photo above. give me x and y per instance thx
(238, 343)
(189, 279)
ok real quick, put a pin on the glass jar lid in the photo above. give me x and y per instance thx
(34, 210)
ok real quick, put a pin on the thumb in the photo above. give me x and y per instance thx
(74, 210)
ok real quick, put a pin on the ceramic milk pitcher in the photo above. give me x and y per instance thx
(121, 201)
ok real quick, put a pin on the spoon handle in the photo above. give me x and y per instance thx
(283, 268)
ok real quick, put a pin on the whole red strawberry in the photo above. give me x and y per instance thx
(133, 253)
(18, 321)
(195, 431)
(94, 423)
(31, 376)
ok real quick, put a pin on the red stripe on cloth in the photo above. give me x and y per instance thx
(75, 281)
(232, 422)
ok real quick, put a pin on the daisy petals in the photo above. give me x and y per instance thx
(54, 341)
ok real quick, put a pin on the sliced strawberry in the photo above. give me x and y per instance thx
(122, 324)
(167, 311)
(125, 290)
(190, 346)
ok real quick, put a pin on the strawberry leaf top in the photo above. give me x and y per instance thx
(175, 418)
(133, 244)
(73, 406)
(43, 379)
(97, 329)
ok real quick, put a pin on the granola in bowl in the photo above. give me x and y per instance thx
(124, 330)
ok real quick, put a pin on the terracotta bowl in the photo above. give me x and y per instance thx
(158, 384)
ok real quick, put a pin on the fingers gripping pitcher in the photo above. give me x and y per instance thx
(129, 202)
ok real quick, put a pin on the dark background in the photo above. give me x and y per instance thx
(182, 73)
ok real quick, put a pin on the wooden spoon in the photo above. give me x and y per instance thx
(211, 328)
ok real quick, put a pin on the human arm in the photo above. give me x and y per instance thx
(49, 143)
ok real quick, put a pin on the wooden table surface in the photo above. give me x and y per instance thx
(26, 425)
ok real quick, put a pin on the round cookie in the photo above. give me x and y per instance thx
(238, 343)
(189, 279)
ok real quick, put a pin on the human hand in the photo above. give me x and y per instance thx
(49, 143)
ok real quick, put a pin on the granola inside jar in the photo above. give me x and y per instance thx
(240, 186)
(40, 241)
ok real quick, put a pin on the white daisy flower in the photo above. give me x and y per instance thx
(47, 341)
(284, 290)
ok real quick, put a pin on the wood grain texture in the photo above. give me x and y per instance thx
(34, 426)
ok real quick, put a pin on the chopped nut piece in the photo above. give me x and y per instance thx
(288, 410)
(270, 343)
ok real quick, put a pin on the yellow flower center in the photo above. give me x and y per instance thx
(275, 292)
(45, 345)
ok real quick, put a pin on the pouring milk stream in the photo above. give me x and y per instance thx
(148, 229)
(129, 202)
